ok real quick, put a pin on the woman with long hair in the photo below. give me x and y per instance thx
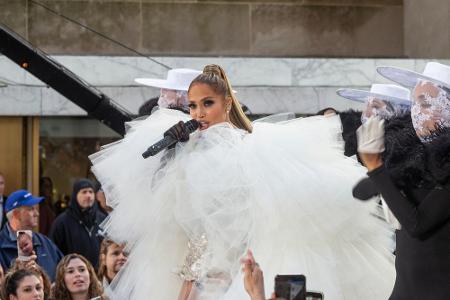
(23, 284)
(46, 283)
(189, 214)
(76, 279)
(112, 258)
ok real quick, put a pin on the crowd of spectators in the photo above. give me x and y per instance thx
(48, 253)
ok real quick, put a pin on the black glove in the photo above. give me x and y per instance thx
(365, 189)
(178, 132)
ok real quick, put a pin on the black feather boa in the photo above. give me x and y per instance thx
(350, 121)
(438, 156)
(412, 163)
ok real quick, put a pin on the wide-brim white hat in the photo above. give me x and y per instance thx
(433, 72)
(387, 92)
(177, 79)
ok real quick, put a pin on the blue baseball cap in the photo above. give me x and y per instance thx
(21, 198)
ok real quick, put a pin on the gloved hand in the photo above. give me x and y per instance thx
(365, 189)
(178, 132)
(370, 136)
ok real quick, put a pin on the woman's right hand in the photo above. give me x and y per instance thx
(178, 132)
(370, 136)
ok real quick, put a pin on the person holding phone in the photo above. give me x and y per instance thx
(23, 216)
(24, 244)
(281, 189)
(76, 280)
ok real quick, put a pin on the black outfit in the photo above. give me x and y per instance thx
(415, 183)
(350, 121)
(77, 230)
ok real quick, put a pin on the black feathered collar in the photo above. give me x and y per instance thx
(412, 163)
(350, 121)
(438, 156)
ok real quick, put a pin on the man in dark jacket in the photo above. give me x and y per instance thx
(23, 214)
(77, 229)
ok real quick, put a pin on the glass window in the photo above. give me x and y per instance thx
(64, 146)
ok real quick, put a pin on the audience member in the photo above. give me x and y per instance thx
(101, 200)
(2, 201)
(23, 284)
(76, 279)
(22, 214)
(327, 111)
(47, 284)
(61, 204)
(253, 277)
(46, 213)
(2, 277)
(173, 93)
(112, 259)
(77, 229)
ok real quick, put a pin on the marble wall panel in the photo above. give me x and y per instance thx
(121, 71)
(53, 104)
(20, 101)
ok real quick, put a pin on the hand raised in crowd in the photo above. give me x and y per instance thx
(370, 137)
(30, 263)
(253, 277)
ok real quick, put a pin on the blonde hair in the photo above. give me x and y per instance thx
(215, 77)
(104, 248)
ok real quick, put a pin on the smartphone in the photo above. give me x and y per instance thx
(314, 296)
(290, 287)
(24, 244)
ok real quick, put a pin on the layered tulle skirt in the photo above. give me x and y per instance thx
(284, 191)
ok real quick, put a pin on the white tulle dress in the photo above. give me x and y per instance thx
(283, 191)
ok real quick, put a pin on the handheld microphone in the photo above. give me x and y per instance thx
(168, 141)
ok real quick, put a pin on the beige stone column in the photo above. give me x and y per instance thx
(426, 28)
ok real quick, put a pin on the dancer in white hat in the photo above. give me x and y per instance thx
(409, 163)
(173, 89)
(383, 100)
(431, 107)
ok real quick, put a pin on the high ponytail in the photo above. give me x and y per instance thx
(215, 77)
